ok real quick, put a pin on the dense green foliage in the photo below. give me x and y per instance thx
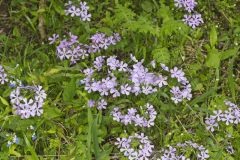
(150, 29)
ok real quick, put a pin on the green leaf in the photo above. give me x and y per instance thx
(213, 59)
(69, 91)
(147, 6)
(203, 97)
(161, 55)
(213, 36)
(30, 148)
(12, 151)
(4, 101)
(95, 139)
(51, 112)
(229, 53)
(89, 137)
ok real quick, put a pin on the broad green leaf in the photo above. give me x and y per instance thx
(69, 91)
(51, 112)
(213, 59)
(4, 101)
(51, 71)
(213, 37)
(229, 53)
(147, 6)
(12, 151)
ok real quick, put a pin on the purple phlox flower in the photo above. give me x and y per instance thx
(230, 104)
(73, 38)
(102, 104)
(147, 89)
(15, 96)
(110, 83)
(91, 103)
(96, 86)
(105, 43)
(98, 38)
(211, 123)
(81, 11)
(98, 63)
(138, 73)
(133, 58)
(171, 152)
(177, 94)
(164, 67)
(203, 155)
(85, 16)
(189, 5)
(3, 78)
(126, 89)
(88, 72)
(193, 20)
(178, 73)
(186, 92)
(73, 11)
(40, 94)
(144, 150)
(133, 117)
(24, 109)
(115, 93)
(117, 37)
(123, 66)
(63, 53)
(178, 3)
(228, 117)
(112, 62)
(161, 81)
(53, 38)
(117, 116)
(84, 6)
(27, 108)
(136, 89)
(111, 40)
(218, 114)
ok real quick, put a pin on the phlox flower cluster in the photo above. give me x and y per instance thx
(139, 79)
(74, 51)
(180, 94)
(132, 116)
(80, 11)
(192, 19)
(174, 154)
(3, 75)
(4, 78)
(100, 104)
(229, 116)
(188, 5)
(28, 107)
(13, 139)
(141, 152)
